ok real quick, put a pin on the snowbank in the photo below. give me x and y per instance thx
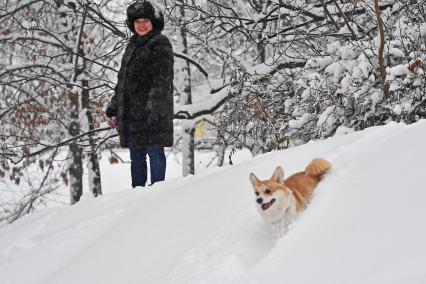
(365, 224)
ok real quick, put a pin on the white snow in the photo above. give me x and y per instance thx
(365, 224)
(300, 121)
(327, 114)
(207, 104)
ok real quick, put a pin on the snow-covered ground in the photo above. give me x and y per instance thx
(365, 224)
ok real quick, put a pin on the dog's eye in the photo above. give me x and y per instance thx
(257, 193)
(267, 191)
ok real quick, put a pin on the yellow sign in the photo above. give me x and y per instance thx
(200, 132)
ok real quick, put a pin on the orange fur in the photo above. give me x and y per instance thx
(299, 185)
(303, 183)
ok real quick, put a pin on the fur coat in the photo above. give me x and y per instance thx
(143, 99)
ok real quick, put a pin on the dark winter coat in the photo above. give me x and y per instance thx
(143, 99)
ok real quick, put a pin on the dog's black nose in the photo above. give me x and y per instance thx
(259, 200)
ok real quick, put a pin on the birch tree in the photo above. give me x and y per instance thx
(185, 95)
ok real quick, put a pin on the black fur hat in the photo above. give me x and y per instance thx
(144, 9)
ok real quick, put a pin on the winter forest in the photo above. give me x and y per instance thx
(261, 75)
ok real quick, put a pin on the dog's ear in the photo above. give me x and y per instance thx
(254, 180)
(278, 175)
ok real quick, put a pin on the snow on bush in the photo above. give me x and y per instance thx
(340, 84)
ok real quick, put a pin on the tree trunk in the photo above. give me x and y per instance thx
(76, 163)
(93, 160)
(381, 49)
(75, 166)
(221, 154)
(261, 45)
(184, 77)
(188, 151)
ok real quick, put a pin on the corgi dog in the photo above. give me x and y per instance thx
(279, 200)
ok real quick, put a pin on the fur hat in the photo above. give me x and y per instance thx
(146, 10)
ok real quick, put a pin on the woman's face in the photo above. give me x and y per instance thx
(143, 26)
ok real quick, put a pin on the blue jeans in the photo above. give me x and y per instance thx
(138, 166)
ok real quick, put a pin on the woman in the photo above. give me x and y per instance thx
(142, 106)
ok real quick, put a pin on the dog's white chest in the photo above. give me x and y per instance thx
(284, 209)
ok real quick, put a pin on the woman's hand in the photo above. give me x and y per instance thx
(112, 122)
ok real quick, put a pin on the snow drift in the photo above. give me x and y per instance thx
(365, 224)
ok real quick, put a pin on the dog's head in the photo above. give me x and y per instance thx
(272, 196)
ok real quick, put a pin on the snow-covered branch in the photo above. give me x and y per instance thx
(22, 5)
(199, 109)
(193, 62)
(16, 159)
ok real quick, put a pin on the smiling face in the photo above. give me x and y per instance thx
(272, 197)
(265, 197)
(143, 26)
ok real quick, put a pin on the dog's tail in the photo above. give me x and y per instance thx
(317, 167)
